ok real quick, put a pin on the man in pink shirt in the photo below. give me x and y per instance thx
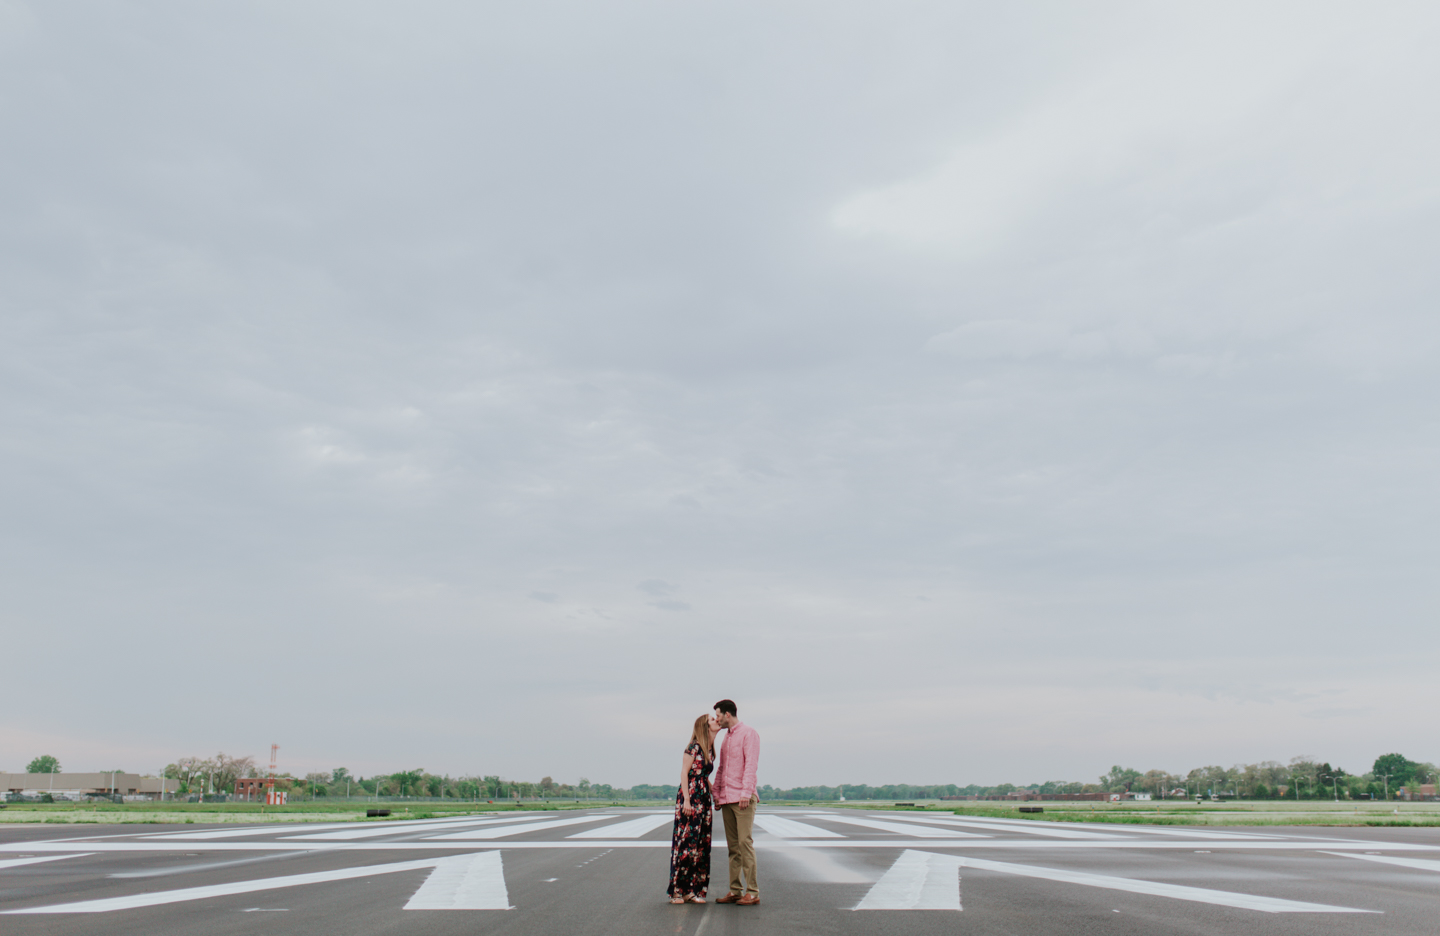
(735, 793)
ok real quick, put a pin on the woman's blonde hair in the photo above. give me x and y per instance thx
(701, 735)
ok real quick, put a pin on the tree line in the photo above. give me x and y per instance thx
(1301, 778)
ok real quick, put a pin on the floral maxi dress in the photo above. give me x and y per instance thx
(690, 844)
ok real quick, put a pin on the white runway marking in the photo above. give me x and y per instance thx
(251, 830)
(466, 882)
(372, 831)
(108, 904)
(1021, 827)
(1153, 889)
(18, 862)
(629, 829)
(781, 827)
(917, 881)
(494, 832)
(901, 828)
(1420, 864)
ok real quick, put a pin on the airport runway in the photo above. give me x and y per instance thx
(821, 871)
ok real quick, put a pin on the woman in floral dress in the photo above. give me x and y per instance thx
(690, 844)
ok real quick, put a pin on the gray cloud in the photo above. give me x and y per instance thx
(357, 355)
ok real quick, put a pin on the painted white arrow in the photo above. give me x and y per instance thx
(471, 884)
(466, 882)
(917, 881)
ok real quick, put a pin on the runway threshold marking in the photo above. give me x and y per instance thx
(1155, 889)
(629, 829)
(371, 832)
(917, 880)
(202, 834)
(18, 862)
(466, 882)
(1025, 828)
(780, 827)
(132, 901)
(1420, 864)
(494, 832)
(916, 831)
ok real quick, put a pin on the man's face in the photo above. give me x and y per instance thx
(724, 719)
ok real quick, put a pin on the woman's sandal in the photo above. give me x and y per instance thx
(693, 899)
(677, 900)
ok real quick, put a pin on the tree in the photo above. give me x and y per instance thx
(341, 775)
(228, 769)
(407, 781)
(45, 763)
(1397, 766)
(1119, 779)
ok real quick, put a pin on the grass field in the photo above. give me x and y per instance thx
(1240, 813)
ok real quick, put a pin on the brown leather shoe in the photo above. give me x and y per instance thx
(728, 898)
(749, 900)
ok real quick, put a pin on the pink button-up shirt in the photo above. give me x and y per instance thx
(739, 759)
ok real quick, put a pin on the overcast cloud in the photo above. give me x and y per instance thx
(973, 392)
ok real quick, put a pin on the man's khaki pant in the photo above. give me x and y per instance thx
(739, 821)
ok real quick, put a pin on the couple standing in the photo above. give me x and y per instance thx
(736, 795)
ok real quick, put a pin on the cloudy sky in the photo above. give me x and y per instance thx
(973, 392)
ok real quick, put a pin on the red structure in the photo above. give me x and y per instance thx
(272, 796)
(249, 788)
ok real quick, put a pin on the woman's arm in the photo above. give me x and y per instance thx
(685, 762)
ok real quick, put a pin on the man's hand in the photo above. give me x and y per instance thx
(754, 801)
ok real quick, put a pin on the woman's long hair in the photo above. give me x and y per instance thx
(701, 735)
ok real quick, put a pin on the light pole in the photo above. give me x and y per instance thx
(1335, 786)
(1387, 784)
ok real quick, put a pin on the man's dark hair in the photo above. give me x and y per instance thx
(726, 706)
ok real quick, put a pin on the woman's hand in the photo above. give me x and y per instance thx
(688, 809)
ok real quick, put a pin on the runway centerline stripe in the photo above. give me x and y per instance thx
(493, 832)
(1420, 864)
(130, 902)
(465, 882)
(1154, 889)
(19, 862)
(780, 827)
(918, 831)
(1034, 829)
(917, 880)
(629, 829)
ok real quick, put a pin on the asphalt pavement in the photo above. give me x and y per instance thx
(830, 871)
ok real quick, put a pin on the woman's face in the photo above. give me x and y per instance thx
(714, 726)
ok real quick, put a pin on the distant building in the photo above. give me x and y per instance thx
(75, 786)
(269, 790)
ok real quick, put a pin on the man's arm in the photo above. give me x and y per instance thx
(752, 765)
